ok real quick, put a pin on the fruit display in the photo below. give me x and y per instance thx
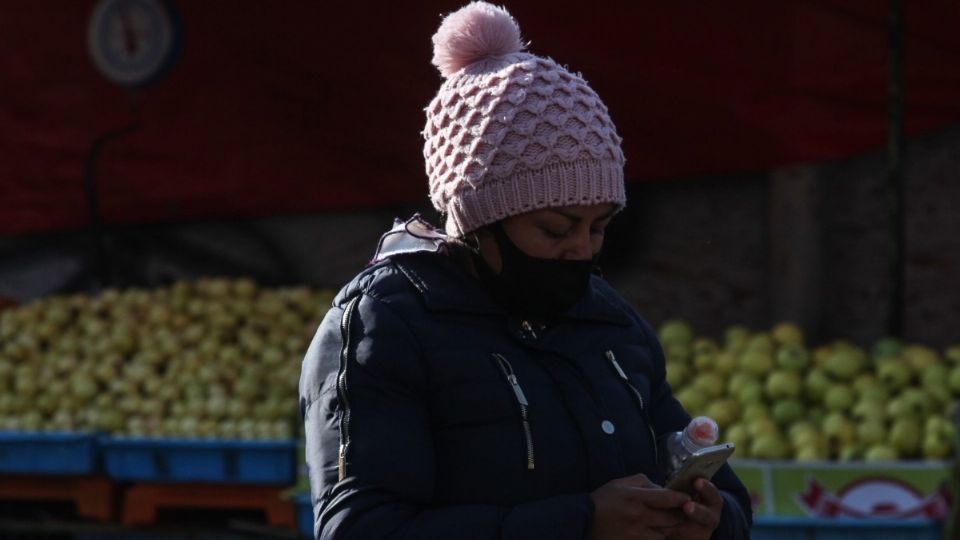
(212, 358)
(776, 398)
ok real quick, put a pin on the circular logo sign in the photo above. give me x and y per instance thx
(134, 42)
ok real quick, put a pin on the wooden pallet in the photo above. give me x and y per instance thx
(141, 502)
(94, 497)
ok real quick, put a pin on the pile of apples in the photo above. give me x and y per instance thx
(215, 358)
(775, 398)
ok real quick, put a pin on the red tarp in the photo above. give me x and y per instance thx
(307, 105)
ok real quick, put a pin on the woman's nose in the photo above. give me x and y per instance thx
(580, 247)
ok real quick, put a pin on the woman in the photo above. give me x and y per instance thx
(480, 382)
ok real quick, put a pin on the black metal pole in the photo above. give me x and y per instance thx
(91, 194)
(895, 183)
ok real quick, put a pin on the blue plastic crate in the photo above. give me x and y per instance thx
(304, 515)
(196, 460)
(47, 453)
(769, 528)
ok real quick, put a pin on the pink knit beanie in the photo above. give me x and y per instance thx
(510, 132)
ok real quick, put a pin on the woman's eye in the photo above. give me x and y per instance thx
(553, 234)
(597, 232)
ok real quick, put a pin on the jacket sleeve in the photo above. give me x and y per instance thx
(363, 392)
(668, 415)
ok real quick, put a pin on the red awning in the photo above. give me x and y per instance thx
(304, 105)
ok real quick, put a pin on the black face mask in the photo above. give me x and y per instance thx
(531, 286)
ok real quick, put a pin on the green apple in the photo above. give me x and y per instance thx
(725, 362)
(802, 430)
(692, 399)
(678, 373)
(227, 429)
(936, 447)
(904, 436)
(280, 430)
(761, 426)
(754, 411)
(237, 409)
(880, 453)
(869, 409)
(735, 338)
(839, 430)
(675, 331)
(750, 392)
(787, 333)
(939, 425)
(704, 352)
(873, 391)
(917, 401)
(31, 421)
(864, 380)
(704, 347)
(815, 384)
(792, 357)
(851, 452)
(710, 384)
(899, 408)
(703, 362)
(920, 357)
(762, 343)
(724, 411)
(953, 381)
(783, 385)
(820, 355)
(738, 435)
(756, 362)
(894, 373)
(769, 445)
(245, 288)
(844, 363)
(871, 432)
(937, 375)
(738, 380)
(808, 452)
(952, 354)
(787, 411)
(839, 397)
(939, 397)
(84, 387)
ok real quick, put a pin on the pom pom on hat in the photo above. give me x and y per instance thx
(510, 132)
(476, 31)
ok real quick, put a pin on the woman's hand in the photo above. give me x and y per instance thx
(636, 508)
(702, 515)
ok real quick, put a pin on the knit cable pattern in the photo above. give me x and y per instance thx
(516, 133)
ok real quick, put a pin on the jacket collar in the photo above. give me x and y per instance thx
(423, 254)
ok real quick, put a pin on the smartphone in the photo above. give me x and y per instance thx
(702, 463)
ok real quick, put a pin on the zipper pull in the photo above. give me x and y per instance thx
(528, 329)
(623, 375)
(517, 390)
(616, 365)
(508, 373)
(342, 462)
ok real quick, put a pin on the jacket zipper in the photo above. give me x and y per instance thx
(636, 393)
(522, 402)
(342, 384)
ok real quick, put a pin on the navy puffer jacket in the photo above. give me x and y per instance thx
(431, 413)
